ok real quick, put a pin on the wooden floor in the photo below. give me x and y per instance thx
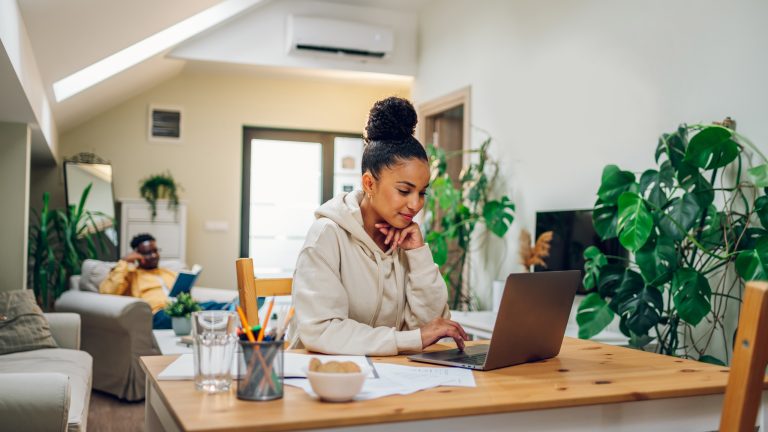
(109, 414)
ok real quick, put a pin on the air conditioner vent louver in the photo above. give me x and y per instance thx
(330, 37)
(345, 51)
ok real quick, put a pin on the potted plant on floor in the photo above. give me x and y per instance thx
(180, 311)
(696, 227)
(453, 212)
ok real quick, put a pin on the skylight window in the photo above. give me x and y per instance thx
(149, 47)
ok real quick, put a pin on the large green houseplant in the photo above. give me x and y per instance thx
(59, 241)
(454, 211)
(696, 227)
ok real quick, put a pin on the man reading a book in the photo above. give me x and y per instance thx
(137, 274)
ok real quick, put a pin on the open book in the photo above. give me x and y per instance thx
(185, 280)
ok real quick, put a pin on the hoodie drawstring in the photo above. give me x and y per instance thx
(380, 295)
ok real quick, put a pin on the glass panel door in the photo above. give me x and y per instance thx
(286, 188)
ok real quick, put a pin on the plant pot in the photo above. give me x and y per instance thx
(182, 326)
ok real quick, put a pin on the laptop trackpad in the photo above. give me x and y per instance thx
(455, 354)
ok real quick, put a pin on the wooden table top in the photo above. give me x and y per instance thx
(584, 373)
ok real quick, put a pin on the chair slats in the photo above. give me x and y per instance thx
(750, 356)
(250, 288)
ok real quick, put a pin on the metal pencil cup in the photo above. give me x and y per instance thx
(260, 371)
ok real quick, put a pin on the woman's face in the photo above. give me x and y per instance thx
(399, 192)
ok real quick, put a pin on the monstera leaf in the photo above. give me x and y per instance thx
(499, 215)
(614, 183)
(713, 147)
(593, 316)
(691, 294)
(635, 221)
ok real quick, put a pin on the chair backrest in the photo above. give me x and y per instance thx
(250, 288)
(750, 356)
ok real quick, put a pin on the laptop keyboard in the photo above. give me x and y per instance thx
(473, 359)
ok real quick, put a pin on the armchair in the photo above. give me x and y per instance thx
(47, 389)
(117, 330)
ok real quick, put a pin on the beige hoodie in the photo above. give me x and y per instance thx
(353, 298)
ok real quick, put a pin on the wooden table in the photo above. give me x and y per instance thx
(589, 386)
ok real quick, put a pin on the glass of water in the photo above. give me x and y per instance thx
(214, 341)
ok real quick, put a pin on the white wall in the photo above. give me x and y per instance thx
(566, 87)
(16, 49)
(208, 161)
(15, 149)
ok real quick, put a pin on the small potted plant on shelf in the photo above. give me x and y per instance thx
(160, 186)
(180, 311)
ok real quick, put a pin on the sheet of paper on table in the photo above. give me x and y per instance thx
(402, 380)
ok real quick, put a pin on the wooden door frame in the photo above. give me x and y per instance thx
(462, 96)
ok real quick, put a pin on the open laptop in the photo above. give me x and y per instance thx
(530, 324)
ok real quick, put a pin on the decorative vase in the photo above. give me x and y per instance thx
(182, 326)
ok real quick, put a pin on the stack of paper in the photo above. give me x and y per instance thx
(403, 380)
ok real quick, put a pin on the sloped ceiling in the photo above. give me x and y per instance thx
(67, 36)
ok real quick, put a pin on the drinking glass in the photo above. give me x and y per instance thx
(214, 340)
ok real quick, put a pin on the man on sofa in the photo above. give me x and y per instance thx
(137, 274)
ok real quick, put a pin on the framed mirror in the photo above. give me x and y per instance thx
(88, 169)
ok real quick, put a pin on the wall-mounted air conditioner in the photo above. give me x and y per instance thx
(324, 36)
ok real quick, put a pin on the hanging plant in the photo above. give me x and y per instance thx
(160, 186)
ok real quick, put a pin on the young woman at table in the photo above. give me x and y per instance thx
(365, 281)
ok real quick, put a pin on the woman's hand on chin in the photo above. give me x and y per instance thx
(406, 238)
(439, 328)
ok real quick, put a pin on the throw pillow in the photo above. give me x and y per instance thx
(93, 272)
(23, 327)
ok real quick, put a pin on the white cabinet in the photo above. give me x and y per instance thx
(169, 227)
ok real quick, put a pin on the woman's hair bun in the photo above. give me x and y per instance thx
(391, 119)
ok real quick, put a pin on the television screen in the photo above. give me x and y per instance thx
(572, 233)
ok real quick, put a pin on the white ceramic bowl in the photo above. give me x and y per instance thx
(337, 387)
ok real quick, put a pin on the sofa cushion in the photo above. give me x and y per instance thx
(77, 365)
(23, 327)
(93, 272)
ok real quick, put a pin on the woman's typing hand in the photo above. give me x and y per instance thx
(406, 238)
(439, 328)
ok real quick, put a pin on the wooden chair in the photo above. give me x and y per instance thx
(750, 356)
(251, 288)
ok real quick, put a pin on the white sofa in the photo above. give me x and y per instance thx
(47, 389)
(117, 330)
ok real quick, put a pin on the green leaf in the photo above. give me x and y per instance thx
(657, 260)
(499, 215)
(712, 147)
(687, 174)
(635, 221)
(611, 277)
(653, 183)
(639, 305)
(711, 360)
(752, 264)
(715, 229)
(605, 217)
(691, 294)
(759, 175)
(593, 316)
(761, 208)
(703, 192)
(679, 217)
(439, 247)
(593, 261)
(447, 196)
(673, 145)
(615, 182)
